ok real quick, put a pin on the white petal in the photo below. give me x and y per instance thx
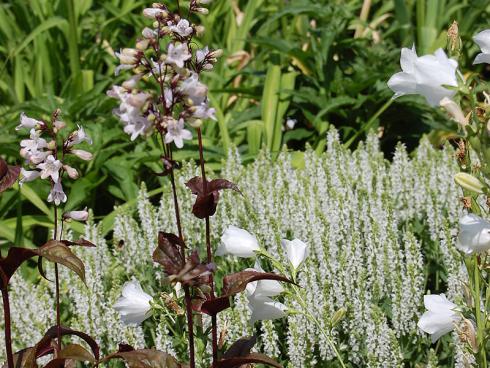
(407, 59)
(482, 58)
(402, 84)
(483, 40)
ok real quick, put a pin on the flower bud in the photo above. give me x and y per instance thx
(58, 125)
(199, 30)
(142, 45)
(468, 182)
(51, 145)
(148, 33)
(216, 53)
(77, 215)
(195, 123)
(84, 155)
(454, 110)
(154, 13)
(72, 172)
(202, 11)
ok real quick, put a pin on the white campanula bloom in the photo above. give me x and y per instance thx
(296, 251)
(27, 176)
(176, 133)
(262, 287)
(177, 54)
(182, 28)
(474, 234)
(440, 317)
(194, 89)
(57, 195)
(264, 308)
(425, 75)
(134, 304)
(237, 242)
(483, 40)
(50, 168)
(27, 122)
(78, 136)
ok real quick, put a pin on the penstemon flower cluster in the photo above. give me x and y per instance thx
(467, 102)
(165, 99)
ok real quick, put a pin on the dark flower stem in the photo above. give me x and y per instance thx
(188, 301)
(214, 325)
(57, 282)
(8, 328)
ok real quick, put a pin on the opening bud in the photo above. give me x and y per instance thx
(468, 182)
(76, 215)
(84, 155)
(71, 171)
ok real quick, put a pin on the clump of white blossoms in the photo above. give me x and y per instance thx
(166, 56)
(47, 155)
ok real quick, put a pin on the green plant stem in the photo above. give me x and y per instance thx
(369, 123)
(312, 318)
(479, 321)
(8, 327)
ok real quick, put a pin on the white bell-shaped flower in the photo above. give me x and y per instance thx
(483, 40)
(296, 251)
(440, 317)
(264, 308)
(134, 304)
(426, 75)
(263, 287)
(237, 242)
(474, 234)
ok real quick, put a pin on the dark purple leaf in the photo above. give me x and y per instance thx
(207, 198)
(52, 333)
(80, 242)
(8, 265)
(216, 305)
(237, 282)
(8, 175)
(241, 347)
(252, 358)
(146, 358)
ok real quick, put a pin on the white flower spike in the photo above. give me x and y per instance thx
(474, 234)
(134, 304)
(237, 242)
(296, 251)
(483, 40)
(426, 75)
(440, 317)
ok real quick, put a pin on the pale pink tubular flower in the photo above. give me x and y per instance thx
(57, 195)
(176, 133)
(50, 168)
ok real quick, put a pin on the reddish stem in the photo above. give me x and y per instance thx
(190, 326)
(8, 328)
(214, 324)
(57, 283)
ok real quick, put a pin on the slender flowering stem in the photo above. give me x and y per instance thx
(479, 320)
(57, 283)
(214, 324)
(8, 327)
(188, 302)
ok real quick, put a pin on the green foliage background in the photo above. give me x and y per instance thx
(323, 63)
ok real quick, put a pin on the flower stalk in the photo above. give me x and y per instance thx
(8, 327)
